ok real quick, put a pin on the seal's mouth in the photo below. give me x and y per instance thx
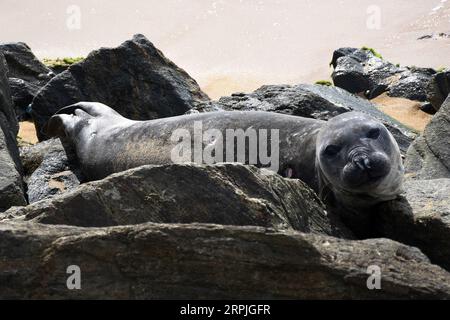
(375, 178)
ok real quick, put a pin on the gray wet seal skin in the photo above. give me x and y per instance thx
(352, 161)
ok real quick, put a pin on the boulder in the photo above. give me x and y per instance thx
(32, 156)
(27, 75)
(429, 155)
(134, 78)
(230, 194)
(363, 70)
(310, 101)
(427, 107)
(23, 64)
(438, 89)
(205, 261)
(11, 185)
(49, 170)
(350, 75)
(420, 218)
(22, 93)
(412, 83)
(7, 114)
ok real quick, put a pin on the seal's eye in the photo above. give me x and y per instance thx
(331, 150)
(373, 133)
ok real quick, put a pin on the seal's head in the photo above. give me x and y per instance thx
(357, 157)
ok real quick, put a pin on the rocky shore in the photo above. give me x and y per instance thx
(214, 231)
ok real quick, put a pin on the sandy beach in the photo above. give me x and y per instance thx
(237, 45)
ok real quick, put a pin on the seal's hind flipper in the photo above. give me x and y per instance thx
(66, 118)
(55, 126)
(94, 109)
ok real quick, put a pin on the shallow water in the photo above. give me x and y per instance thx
(236, 45)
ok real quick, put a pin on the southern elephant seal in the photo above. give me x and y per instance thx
(352, 160)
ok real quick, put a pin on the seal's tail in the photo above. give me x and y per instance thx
(66, 117)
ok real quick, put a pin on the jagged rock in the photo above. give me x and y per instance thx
(411, 84)
(32, 156)
(421, 218)
(360, 70)
(230, 194)
(23, 93)
(27, 75)
(8, 116)
(310, 101)
(201, 261)
(135, 79)
(23, 64)
(439, 88)
(350, 75)
(429, 155)
(49, 170)
(11, 186)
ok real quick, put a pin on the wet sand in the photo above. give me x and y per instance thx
(406, 111)
(27, 132)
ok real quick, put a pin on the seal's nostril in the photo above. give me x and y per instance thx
(360, 161)
(367, 163)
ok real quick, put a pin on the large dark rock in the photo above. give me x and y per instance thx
(230, 194)
(429, 155)
(7, 114)
(360, 70)
(32, 156)
(421, 218)
(310, 101)
(200, 261)
(411, 83)
(27, 75)
(49, 170)
(11, 185)
(135, 79)
(23, 64)
(23, 93)
(439, 88)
